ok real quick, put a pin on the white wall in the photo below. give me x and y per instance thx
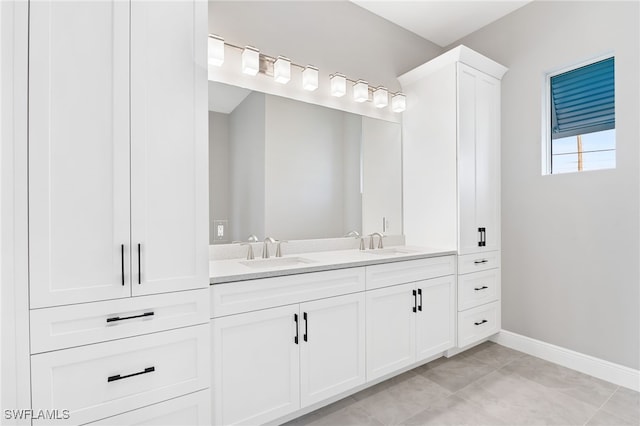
(570, 243)
(247, 166)
(219, 198)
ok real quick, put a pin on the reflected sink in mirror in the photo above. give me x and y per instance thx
(391, 251)
(276, 262)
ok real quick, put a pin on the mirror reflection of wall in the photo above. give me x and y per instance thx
(293, 170)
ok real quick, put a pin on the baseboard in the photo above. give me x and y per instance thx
(596, 367)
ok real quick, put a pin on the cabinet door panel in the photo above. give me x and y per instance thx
(391, 329)
(435, 320)
(256, 375)
(332, 356)
(78, 151)
(488, 159)
(169, 195)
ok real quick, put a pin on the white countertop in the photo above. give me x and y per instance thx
(230, 270)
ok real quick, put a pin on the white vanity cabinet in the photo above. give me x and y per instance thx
(283, 343)
(118, 211)
(272, 362)
(451, 166)
(408, 323)
(117, 149)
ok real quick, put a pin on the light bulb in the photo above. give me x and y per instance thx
(361, 91)
(216, 50)
(398, 102)
(310, 78)
(380, 97)
(282, 70)
(250, 60)
(338, 85)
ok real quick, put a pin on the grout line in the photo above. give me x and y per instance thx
(602, 405)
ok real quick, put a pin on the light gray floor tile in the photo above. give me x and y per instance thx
(602, 418)
(519, 401)
(578, 385)
(348, 416)
(493, 354)
(453, 411)
(625, 403)
(322, 412)
(457, 372)
(383, 386)
(402, 400)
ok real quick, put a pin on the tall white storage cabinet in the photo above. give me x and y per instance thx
(451, 172)
(118, 209)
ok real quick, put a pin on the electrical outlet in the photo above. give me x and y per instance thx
(220, 229)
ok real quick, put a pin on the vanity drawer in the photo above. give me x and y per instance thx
(478, 288)
(388, 274)
(478, 323)
(75, 325)
(189, 410)
(478, 262)
(251, 295)
(105, 379)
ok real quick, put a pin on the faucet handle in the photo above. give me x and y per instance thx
(371, 245)
(361, 243)
(380, 242)
(249, 251)
(278, 249)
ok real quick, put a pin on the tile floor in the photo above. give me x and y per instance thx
(486, 385)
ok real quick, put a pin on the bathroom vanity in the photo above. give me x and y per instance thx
(290, 338)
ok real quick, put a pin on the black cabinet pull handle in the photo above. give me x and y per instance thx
(139, 270)
(295, 319)
(122, 261)
(480, 288)
(420, 294)
(481, 322)
(415, 301)
(146, 314)
(306, 330)
(477, 262)
(119, 377)
(482, 241)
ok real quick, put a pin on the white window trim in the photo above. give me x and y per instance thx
(546, 106)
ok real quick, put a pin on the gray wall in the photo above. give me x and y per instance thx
(218, 171)
(570, 243)
(336, 36)
(247, 165)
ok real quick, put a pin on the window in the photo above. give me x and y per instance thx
(581, 132)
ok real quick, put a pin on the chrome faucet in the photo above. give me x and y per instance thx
(371, 245)
(265, 247)
(249, 251)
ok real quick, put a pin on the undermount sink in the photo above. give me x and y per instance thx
(391, 251)
(276, 262)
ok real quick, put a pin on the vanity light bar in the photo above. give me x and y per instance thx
(281, 69)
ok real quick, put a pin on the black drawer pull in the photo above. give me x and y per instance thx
(480, 288)
(481, 322)
(306, 330)
(119, 377)
(415, 301)
(295, 319)
(122, 261)
(146, 314)
(420, 294)
(477, 262)
(139, 269)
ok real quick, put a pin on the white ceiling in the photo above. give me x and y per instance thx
(441, 22)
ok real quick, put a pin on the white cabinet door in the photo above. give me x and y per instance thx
(332, 347)
(391, 329)
(478, 161)
(435, 319)
(256, 375)
(169, 194)
(78, 152)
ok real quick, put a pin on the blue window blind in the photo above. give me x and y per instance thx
(583, 100)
